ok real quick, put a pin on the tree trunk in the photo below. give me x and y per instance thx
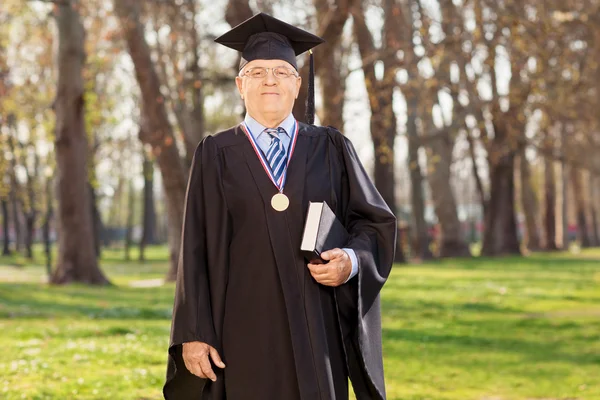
(586, 188)
(196, 114)
(5, 228)
(116, 206)
(404, 42)
(29, 233)
(580, 207)
(76, 255)
(30, 210)
(46, 228)
(149, 212)
(566, 240)
(500, 236)
(530, 204)
(550, 196)
(130, 214)
(192, 127)
(237, 11)
(331, 18)
(16, 218)
(452, 240)
(333, 86)
(156, 124)
(97, 222)
(14, 192)
(476, 176)
(190, 114)
(383, 119)
(421, 236)
(383, 143)
(593, 180)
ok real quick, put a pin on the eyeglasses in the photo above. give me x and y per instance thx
(261, 72)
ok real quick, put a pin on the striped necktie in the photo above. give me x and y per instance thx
(276, 153)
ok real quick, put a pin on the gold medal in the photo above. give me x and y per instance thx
(280, 202)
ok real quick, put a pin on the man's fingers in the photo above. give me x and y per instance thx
(214, 354)
(327, 279)
(196, 358)
(328, 282)
(194, 368)
(207, 369)
(318, 269)
(331, 254)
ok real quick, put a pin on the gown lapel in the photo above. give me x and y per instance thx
(294, 186)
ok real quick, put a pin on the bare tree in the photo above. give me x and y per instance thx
(576, 179)
(566, 185)
(156, 126)
(149, 211)
(550, 197)
(452, 241)
(48, 217)
(76, 254)
(593, 196)
(130, 216)
(5, 228)
(329, 57)
(237, 11)
(15, 191)
(383, 126)
(530, 203)
(508, 123)
(178, 65)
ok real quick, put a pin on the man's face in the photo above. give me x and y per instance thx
(268, 97)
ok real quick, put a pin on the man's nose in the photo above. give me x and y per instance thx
(270, 78)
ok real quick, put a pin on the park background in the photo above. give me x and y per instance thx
(476, 119)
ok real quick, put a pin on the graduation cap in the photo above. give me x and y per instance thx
(263, 37)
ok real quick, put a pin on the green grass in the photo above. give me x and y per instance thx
(510, 328)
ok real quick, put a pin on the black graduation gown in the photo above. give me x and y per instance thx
(243, 286)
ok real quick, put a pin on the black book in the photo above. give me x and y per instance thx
(322, 232)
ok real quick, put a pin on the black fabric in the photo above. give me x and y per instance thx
(268, 46)
(263, 37)
(244, 288)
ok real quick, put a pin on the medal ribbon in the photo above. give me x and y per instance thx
(263, 160)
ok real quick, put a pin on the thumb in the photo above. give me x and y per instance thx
(331, 254)
(214, 354)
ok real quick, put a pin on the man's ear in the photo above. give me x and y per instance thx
(239, 83)
(298, 85)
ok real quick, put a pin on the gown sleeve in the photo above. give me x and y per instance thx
(201, 272)
(372, 227)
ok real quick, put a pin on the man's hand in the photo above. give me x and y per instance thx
(336, 271)
(195, 357)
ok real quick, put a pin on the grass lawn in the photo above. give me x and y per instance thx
(510, 328)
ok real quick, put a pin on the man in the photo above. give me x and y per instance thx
(252, 319)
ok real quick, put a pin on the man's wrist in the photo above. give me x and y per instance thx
(354, 261)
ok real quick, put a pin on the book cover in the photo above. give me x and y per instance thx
(322, 231)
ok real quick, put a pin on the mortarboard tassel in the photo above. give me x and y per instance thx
(310, 100)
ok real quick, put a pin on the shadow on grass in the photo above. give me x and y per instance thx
(154, 255)
(536, 261)
(532, 350)
(438, 307)
(25, 301)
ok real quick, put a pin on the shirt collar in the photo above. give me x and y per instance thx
(256, 128)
